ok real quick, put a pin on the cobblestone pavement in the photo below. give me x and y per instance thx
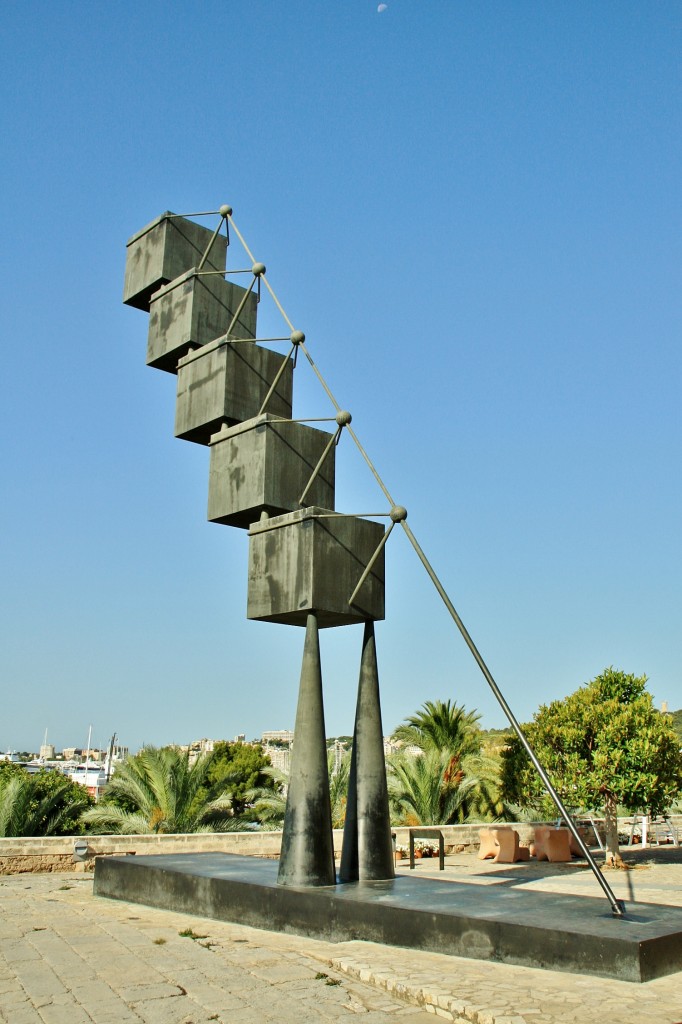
(68, 957)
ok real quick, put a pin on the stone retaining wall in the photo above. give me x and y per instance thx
(57, 854)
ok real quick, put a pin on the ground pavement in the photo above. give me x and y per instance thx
(68, 958)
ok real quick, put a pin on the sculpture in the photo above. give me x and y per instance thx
(308, 564)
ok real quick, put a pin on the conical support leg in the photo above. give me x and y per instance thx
(307, 856)
(367, 849)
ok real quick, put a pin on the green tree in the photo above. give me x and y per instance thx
(238, 769)
(158, 791)
(422, 791)
(450, 731)
(442, 725)
(338, 787)
(676, 722)
(268, 803)
(43, 804)
(602, 746)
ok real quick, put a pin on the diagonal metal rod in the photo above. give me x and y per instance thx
(318, 467)
(265, 280)
(617, 906)
(320, 377)
(240, 308)
(210, 244)
(370, 564)
(275, 382)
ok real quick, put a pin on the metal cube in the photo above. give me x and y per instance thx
(223, 384)
(165, 249)
(265, 465)
(311, 561)
(191, 311)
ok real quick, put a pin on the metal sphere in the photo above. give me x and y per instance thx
(343, 418)
(257, 269)
(398, 513)
(297, 337)
(225, 211)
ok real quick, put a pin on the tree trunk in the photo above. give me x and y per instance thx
(612, 853)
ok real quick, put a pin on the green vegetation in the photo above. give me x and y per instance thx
(237, 769)
(158, 791)
(604, 745)
(43, 804)
(676, 721)
(452, 780)
(338, 787)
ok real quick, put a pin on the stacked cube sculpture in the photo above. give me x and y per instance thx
(273, 475)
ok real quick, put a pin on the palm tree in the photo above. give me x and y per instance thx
(442, 725)
(452, 734)
(158, 791)
(28, 808)
(268, 803)
(422, 793)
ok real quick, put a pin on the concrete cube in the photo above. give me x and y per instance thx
(264, 465)
(191, 311)
(165, 249)
(308, 561)
(225, 384)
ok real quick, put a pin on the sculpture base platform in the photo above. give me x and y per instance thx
(556, 932)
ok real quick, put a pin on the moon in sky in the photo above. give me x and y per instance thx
(381, 8)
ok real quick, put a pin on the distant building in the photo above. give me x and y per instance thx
(339, 749)
(277, 736)
(47, 752)
(392, 746)
(280, 757)
(241, 738)
(72, 753)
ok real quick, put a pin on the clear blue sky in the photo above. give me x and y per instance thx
(473, 211)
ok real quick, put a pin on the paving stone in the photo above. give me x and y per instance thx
(25, 1014)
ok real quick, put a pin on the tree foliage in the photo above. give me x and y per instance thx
(43, 804)
(238, 769)
(451, 743)
(422, 790)
(601, 746)
(442, 725)
(158, 791)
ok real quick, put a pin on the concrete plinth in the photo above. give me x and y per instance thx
(264, 465)
(307, 857)
(162, 251)
(191, 311)
(367, 848)
(557, 932)
(310, 561)
(226, 384)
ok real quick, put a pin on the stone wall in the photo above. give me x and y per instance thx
(57, 854)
